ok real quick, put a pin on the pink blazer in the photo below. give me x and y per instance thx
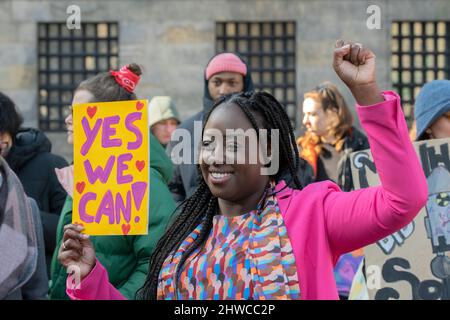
(322, 221)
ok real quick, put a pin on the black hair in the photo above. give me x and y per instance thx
(10, 118)
(202, 206)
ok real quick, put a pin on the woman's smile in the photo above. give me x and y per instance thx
(218, 177)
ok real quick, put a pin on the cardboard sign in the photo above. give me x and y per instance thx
(414, 262)
(111, 161)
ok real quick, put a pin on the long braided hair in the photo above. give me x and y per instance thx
(202, 206)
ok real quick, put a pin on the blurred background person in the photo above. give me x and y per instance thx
(163, 118)
(329, 140)
(432, 111)
(28, 153)
(330, 136)
(22, 269)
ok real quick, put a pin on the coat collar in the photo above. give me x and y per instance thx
(65, 177)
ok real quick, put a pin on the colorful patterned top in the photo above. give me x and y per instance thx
(244, 257)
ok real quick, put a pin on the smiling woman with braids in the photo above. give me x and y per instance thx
(244, 235)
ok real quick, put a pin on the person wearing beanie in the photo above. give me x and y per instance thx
(225, 73)
(432, 111)
(163, 118)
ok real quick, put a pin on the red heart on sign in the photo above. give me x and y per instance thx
(139, 105)
(91, 111)
(140, 165)
(80, 186)
(126, 228)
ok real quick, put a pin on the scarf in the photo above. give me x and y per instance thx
(18, 240)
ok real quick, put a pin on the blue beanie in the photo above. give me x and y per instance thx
(432, 102)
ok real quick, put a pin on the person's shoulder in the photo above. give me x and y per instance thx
(320, 188)
(159, 191)
(156, 176)
(51, 160)
(312, 193)
(305, 208)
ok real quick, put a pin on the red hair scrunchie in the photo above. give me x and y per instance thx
(126, 78)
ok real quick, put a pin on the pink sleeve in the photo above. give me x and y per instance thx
(356, 219)
(95, 286)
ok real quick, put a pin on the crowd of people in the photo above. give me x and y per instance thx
(220, 229)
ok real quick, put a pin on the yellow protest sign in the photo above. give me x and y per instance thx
(111, 161)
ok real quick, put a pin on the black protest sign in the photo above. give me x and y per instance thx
(414, 262)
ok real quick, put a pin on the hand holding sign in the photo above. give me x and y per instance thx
(111, 167)
(77, 250)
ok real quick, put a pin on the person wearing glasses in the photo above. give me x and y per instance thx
(329, 140)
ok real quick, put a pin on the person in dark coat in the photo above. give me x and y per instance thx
(23, 273)
(28, 153)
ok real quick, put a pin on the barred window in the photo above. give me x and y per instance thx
(65, 58)
(269, 48)
(420, 53)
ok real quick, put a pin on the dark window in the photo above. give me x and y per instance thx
(420, 53)
(269, 49)
(65, 58)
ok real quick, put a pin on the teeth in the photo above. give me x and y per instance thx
(217, 175)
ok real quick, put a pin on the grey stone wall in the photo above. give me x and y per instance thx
(174, 39)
